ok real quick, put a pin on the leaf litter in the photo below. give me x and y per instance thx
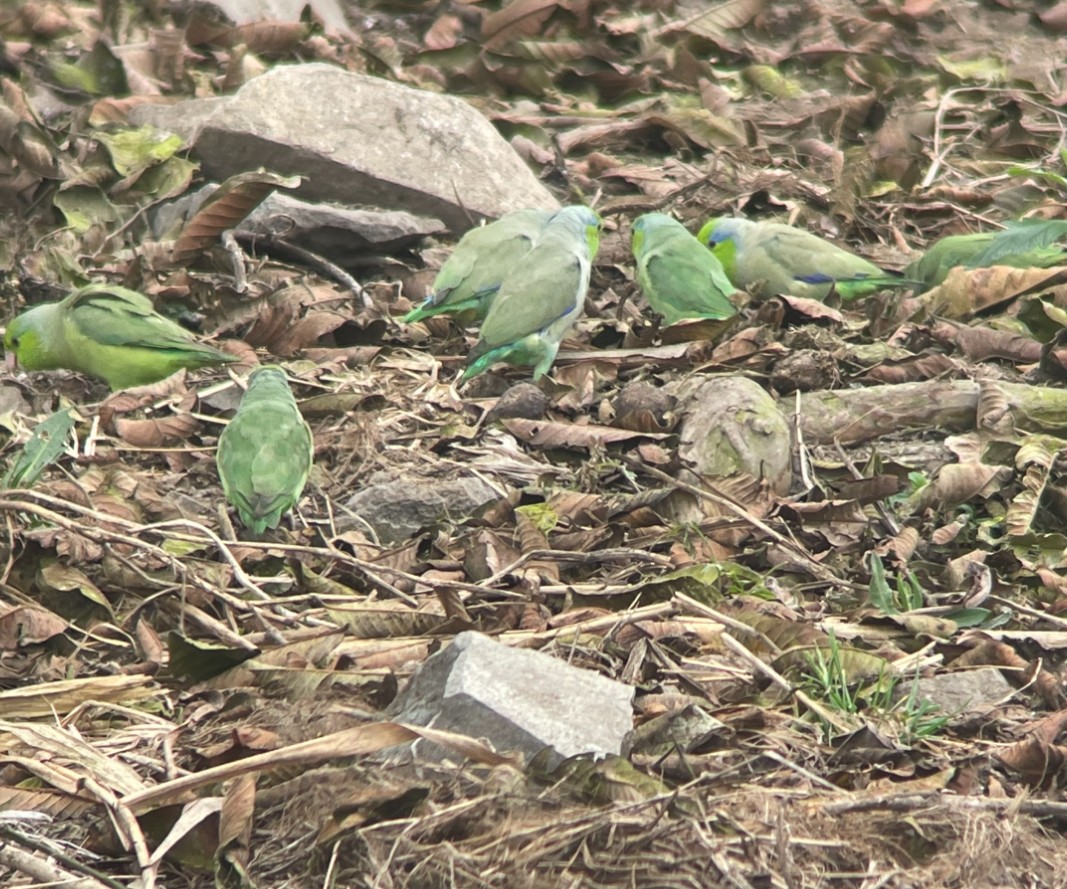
(188, 706)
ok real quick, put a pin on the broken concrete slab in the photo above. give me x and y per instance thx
(398, 508)
(362, 140)
(517, 700)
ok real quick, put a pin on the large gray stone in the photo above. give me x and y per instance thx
(359, 140)
(517, 700)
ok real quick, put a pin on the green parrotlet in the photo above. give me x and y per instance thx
(471, 276)
(781, 259)
(265, 452)
(679, 276)
(108, 332)
(945, 254)
(541, 297)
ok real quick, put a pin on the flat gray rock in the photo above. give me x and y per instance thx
(340, 233)
(517, 700)
(360, 140)
(962, 692)
(398, 508)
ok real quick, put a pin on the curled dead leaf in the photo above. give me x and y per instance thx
(156, 432)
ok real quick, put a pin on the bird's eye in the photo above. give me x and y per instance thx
(15, 341)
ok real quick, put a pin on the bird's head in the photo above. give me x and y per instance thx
(589, 221)
(22, 342)
(718, 231)
(648, 223)
(267, 377)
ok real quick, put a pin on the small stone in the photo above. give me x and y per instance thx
(642, 407)
(517, 700)
(805, 370)
(524, 400)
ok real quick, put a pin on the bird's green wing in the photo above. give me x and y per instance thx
(265, 453)
(682, 279)
(472, 274)
(538, 294)
(1029, 238)
(115, 316)
(813, 260)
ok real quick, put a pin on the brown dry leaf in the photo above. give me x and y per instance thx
(1035, 459)
(947, 533)
(380, 654)
(384, 620)
(243, 741)
(983, 343)
(856, 665)
(553, 434)
(55, 575)
(915, 368)
(714, 23)
(966, 292)
(149, 645)
(487, 554)
(235, 830)
(54, 803)
(231, 202)
(157, 432)
(370, 804)
(306, 332)
(29, 625)
(444, 33)
(697, 330)
(531, 539)
(77, 755)
(841, 522)
(985, 651)
(260, 37)
(1038, 762)
(869, 490)
(517, 19)
(349, 742)
(957, 483)
(783, 634)
(699, 126)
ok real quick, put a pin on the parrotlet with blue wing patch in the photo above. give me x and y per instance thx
(775, 258)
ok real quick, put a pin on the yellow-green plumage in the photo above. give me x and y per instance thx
(108, 332)
(773, 258)
(945, 254)
(679, 276)
(541, 297)
(265, 452)
(471, 276)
